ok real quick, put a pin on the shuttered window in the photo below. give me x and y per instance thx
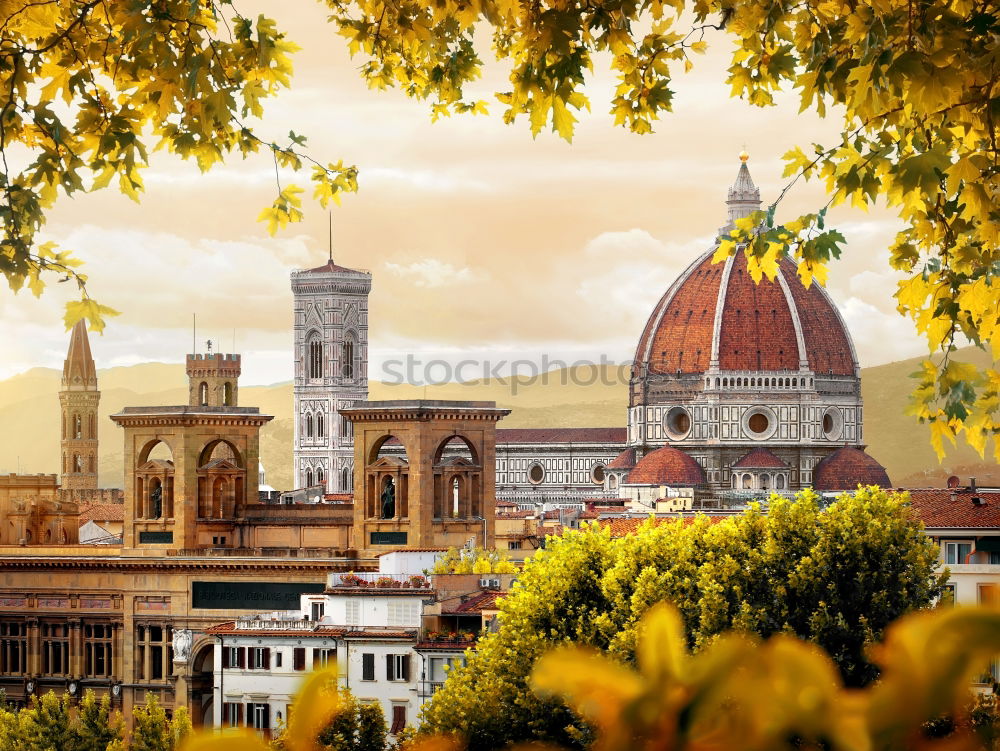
(367, 666)
(398, 718)
(299, 658)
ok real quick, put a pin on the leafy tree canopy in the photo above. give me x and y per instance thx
(92, 86)
(476, 561)
(836, 576)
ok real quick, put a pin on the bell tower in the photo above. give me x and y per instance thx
(213, 379)
(78, 399)
(331, 371)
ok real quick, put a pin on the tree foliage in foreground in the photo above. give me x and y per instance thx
(836, 577)
(53, 723)
(90, 87)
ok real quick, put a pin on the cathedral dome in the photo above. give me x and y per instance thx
(714, 317)
(848, 467)
(667, 466)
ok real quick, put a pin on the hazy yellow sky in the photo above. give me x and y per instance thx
(483, 242)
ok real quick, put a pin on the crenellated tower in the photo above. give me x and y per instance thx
(78, 399)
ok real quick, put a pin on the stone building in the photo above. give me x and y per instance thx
(78, 400)
(331, 371)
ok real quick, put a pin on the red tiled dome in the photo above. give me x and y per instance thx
(848, 467)
(760, 458)
(756, 323)
(667, 466)
(625, 460)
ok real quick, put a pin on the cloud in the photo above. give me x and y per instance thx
(431, 272)
(879, 337)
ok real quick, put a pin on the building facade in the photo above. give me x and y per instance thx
(331, 371)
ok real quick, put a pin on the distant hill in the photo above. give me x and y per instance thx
(598, 397)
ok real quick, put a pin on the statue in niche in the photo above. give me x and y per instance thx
(389, 500)
(182, 644)
(156, 497)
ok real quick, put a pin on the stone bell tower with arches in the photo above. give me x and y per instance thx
(331, 371)
(425, 474)
(78, 399)
(191, 469)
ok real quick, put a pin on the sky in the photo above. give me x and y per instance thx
(483, 242)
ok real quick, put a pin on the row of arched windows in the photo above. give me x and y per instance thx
(318, 477)
(766, 481)
(314, 359)
(76, 425)
(314, 426)
(77, 463)
(716, 382)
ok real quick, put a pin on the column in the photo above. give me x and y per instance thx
(75, 667)
(34, 648)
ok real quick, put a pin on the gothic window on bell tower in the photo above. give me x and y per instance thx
(319, 425)
(315, 367)
(77, 427)
(347, 360)
(309, 426)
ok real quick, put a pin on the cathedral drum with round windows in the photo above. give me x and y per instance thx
(727, 364)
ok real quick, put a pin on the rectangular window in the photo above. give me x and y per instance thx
(989, 594)
(353, 613)
(316, 611)
(514, 545)
(277, 659)
(956, 553)
(947, 595)
(232, 714)
(397, 667)
(299, 658)
(97, 650)
(324, 658)
(367, 666)
(13, 648)
(398, 718)
(259, 658)
(404, 613)
(259, 716)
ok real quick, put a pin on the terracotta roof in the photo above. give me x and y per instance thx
(515, 514)
(382, 634)
(666, 466)
(622, 527)
(331, 268)
(948, 509)
(102, 512)
(475, 604)
(561, 435)
(625, 460)
(756, 328)
(760, 458)
(848, 467)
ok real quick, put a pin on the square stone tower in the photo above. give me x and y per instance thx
(331, 371)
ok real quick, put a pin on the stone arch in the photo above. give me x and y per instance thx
(320, 426)
(146, 453)
(77, 425)
(458, 442)
(203, 394)
(227, 394)
(309, 425)
(208, 452)
(320, 476)
(309, 477)
(202, 664)
(378, 444)
(346, 480)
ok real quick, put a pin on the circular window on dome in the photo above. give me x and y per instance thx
(677, 423)
(833, 424)
(536, 473)
(597, 474)
(760, 423)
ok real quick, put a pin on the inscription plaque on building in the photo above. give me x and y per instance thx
(251, 595)
(388, 538)
(156, 538)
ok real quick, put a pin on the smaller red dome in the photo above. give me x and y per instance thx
(625, 460)
(760, 458)
(848, 467)
(667, 466)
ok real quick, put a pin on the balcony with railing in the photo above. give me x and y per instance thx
(279, 620)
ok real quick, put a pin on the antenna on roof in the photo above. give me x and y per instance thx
(329, 214)
(194, 333)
